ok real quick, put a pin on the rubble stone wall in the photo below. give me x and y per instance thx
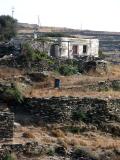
(105, 85)
(6, 125)
(61, 109)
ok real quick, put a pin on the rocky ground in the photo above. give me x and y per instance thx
(56, 141)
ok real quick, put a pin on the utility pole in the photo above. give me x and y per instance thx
(39, 21)
(13, 10)
(81, 27)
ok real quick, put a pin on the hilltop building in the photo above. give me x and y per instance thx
(65, 47)
(73, 47)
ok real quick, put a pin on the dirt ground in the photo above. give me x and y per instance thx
(70, 85)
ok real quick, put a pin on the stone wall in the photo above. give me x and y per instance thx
(61, 109)
(27, 149)
(105, 86)
(104, 114)
(101, 86)
(6, 125)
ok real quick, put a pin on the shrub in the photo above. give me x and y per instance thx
(28, 51)
(78, 116)
(101, 55)
(9, 157)
(40, 55)
(7, 27)
(84, 153)
(68, 70)
(33, 55)
(76, 129)
(13, 93)
(51, 152)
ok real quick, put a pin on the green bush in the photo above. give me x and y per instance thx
(9, 157)
(33, 55)
(78, 116)
(51, 152)
(101, 55)
(13, 93)
(68, 70)
(7, 27)
(40, 55)
(28, 51)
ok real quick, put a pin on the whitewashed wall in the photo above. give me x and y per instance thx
(92, 47)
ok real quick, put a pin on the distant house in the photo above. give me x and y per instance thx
(61, 46)
(74, 47)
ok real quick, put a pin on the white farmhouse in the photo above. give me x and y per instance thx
(74, 47)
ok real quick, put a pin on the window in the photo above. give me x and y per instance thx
(84, 48)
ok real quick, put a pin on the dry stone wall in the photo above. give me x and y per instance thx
(6, 125)
(61, 109)
(102, 113)
(105, 85)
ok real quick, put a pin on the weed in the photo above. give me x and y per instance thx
(51, 152)
(78, 116)
(13, 93)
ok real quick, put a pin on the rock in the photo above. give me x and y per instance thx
(33, 149)
(117, 151)
(38, 76)
(61, 151)
(17, 125)
(84, 154)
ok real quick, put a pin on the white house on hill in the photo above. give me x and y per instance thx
(74, 47)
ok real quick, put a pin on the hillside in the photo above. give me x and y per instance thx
(109, 41)
(77, 119)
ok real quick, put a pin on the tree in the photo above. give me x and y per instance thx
(7, 27)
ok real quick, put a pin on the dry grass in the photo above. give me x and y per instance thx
(73, 86)
(58, 133)
(49, 92)
(94, 140)
(10, 72)
(28, 135)
(70, 84)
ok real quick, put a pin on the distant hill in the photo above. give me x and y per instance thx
(109, 41)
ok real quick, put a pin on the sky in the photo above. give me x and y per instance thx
(102, 15)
